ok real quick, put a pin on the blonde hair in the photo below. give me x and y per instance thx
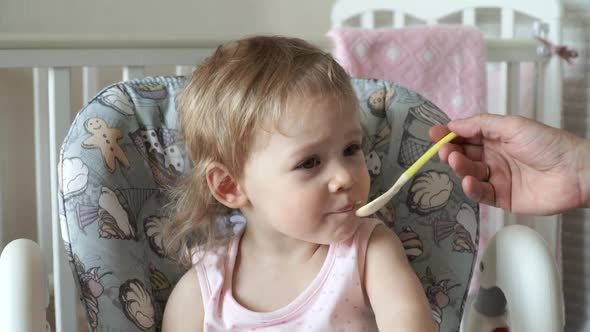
(231, 95)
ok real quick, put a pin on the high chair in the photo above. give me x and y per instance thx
(123, 149)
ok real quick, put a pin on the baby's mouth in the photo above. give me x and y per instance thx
(349, 207)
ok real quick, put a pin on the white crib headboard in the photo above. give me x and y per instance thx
(432, 11)
(503, 47)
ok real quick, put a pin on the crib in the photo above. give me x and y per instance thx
(53, 60)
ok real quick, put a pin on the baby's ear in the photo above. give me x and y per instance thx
(224, 187)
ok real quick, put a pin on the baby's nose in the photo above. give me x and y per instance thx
(342, 179)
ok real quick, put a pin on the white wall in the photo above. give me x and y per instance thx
(203, 19)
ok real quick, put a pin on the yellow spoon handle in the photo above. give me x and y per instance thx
(428, 154)
(380, 201)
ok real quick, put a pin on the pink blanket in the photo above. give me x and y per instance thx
(444, 63)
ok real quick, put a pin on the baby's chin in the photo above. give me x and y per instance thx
(331, 231)
(345, 230)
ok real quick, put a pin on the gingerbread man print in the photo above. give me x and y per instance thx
(105, 139)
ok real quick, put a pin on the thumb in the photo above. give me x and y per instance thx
(489, 126)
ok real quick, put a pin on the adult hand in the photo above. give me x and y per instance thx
(518, 164)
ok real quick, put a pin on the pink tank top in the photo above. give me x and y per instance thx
(334, 301)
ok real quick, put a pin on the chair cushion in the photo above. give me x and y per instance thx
(123, 148)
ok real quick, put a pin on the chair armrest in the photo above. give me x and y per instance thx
(24, 293)
(519, 285)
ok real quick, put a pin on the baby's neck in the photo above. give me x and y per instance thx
(269, 244)
(284, 270)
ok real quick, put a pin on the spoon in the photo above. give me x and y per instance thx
(379, 202)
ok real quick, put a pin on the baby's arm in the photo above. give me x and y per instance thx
(184, 310)
(395, 293)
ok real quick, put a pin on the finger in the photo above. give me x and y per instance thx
(464, 166)
(479, 191)
(473, 152)
(471, 148)
(437, 132)
(447, 149)
(489, 126)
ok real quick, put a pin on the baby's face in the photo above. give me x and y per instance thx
(307, 178)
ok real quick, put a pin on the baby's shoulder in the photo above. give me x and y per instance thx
(383, 240)
(184, 309)
(363, 235)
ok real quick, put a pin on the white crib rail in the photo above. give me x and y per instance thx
(59, 120)
(432, 11)
(51, 60)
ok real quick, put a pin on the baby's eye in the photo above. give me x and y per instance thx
(309, 163)
(352, 149)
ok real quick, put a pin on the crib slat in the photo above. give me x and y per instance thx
(508, 104)
(399, 19)
(506, 32)
(513, 89)
(42, 172)
(89, 83)
(540, 30)
(551, 113)
(132, 72)
(539, 101)
(509, 100)
(549, 110)
(59, 121)
(368, 20)
(469, 16)
(550, 72)
(184, 70)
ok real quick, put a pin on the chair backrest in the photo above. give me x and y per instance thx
(123, 148)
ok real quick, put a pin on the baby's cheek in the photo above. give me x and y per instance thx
(297, 217)
(363, 180)
(302, 204)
